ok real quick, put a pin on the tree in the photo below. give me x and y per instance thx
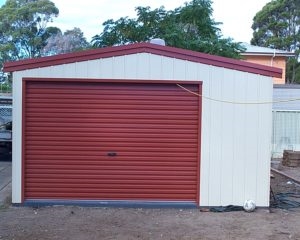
(190, 26)
(70, 41)
(23, 28)
(277, 25)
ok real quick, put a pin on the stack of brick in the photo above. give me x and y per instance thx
(291, 158)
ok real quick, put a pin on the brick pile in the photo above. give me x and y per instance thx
(291, 158)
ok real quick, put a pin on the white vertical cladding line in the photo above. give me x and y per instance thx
(297, 132)
(64, 70)
(227, 148)
(143, 66)
(167, 71)
(179, 69)
(155, 66)
(40, 72)
(283, 131)
(118, 67)
(17, 138)
(47, 71)
(191, 72)
(44, 72)
(264, 143)
(281, 140)
(81, 70)
(93, 70)
(204, 74)
(130, 67)
(216, 138)
(61, 71)
(251, 127)
(239, 118)
(274, 123)
(233, 133)
(106, 68)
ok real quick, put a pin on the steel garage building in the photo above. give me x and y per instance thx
(141, 124)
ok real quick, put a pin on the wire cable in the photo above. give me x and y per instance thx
(285, 200)
(241, 103)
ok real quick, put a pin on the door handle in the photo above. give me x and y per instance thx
(111, 154)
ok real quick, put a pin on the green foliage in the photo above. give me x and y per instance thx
(293, 70)
(23, 28)
(5, 87)
(277, 25)
(190, 27)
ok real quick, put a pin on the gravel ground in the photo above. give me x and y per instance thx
(60, 222)
(112, 223)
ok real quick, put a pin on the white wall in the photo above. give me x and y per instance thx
(235, 154)
(286, 132)
(17, 139)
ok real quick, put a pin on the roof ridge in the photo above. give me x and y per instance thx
(135, 48)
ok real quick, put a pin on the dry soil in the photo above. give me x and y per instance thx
(120, 223)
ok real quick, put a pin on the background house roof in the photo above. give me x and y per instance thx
(264, 51)
(166, 51)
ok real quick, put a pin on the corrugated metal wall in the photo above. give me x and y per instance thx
(286, 132)
(283, 92)
(235, 138)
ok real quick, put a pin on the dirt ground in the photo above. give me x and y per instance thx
(59, 222)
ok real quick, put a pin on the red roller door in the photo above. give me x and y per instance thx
(100, 140)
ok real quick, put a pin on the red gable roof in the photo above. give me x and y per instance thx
(143, 48)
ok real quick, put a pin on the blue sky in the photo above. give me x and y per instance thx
(88, 15)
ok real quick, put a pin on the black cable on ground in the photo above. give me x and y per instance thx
(285, 200)
(229, 208)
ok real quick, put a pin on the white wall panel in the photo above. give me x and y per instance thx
(64, 70)
(143, 69)
(204, 74)
(227, 146)
(286, 132)
(130, 66)
(119, 63)
(81, 70)
(215, 138)
(251, 137)
(93, 68)
(191, 71)
(106, 68)
(17, 139)
(239, 135)
(167, 71)
(155, 66)
(264, 139)
(179, 70)
(236, 138)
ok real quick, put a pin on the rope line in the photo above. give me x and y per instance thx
(241, 103)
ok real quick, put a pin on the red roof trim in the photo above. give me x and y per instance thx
(166, 51)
